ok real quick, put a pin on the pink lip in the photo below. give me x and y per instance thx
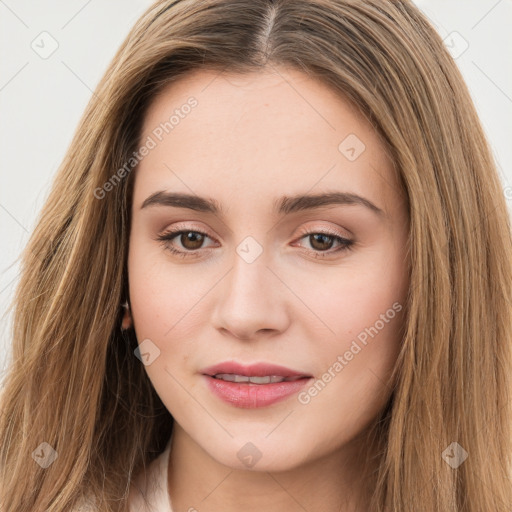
(249, 395)
(255, 370)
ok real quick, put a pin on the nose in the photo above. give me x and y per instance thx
(251, 301)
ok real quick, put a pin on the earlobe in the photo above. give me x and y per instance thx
(127, 317)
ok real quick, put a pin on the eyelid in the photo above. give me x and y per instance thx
(181, 227)
(174, 232)
(328, 230)
(308, 229)
(188, 226)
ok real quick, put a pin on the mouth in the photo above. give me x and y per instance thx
(253, 386)
(252, 379)
(235, 372)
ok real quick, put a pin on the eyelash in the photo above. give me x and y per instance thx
(166, 237)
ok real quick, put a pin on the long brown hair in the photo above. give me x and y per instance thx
(74, 382)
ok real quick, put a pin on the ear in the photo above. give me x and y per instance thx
(127, 317)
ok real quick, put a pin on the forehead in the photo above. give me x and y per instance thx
(260, 134)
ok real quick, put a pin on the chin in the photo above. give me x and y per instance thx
(258, 455)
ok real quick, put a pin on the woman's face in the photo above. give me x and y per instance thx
(293, 253)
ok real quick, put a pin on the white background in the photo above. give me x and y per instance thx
(41, 100)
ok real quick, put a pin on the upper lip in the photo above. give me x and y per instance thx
(254, 370)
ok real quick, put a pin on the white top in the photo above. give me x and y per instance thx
(149, 492)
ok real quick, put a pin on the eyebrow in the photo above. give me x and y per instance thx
(284, 205)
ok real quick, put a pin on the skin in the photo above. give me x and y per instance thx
(250, 140)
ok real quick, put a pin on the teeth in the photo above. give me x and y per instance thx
(230, 377)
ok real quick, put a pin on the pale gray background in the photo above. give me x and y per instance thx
(41, 100)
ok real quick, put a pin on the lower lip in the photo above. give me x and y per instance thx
(252, 396)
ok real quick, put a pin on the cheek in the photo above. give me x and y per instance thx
(356, 299)
(354, 364)
(162, 306)
(161, 294)
(362, 304)
(366, 339)
(169, 305)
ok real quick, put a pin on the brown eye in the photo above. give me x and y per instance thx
(183, 242)
(322, 241)
(191, 240)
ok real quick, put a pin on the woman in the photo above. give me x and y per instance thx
(274, 272)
